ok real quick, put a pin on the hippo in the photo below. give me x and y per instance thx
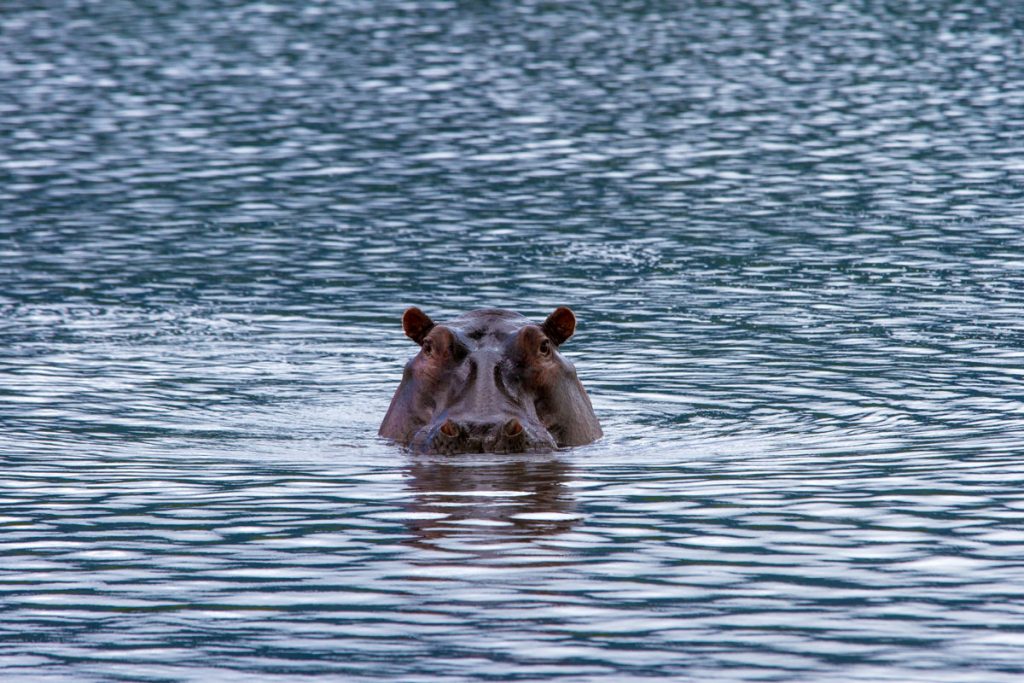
(490, 381)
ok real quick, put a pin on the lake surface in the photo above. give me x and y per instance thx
(793, 233)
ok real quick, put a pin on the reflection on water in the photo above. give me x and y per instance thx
(517, 497)
(791, 232)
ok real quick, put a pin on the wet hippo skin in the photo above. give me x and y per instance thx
(490, 381)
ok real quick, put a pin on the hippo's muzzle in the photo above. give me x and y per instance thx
(501, 436)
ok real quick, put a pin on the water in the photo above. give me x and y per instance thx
(791, 232)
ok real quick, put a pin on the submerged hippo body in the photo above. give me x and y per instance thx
(490, 381)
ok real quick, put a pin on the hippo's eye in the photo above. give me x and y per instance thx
(545, 348)
(428, 347)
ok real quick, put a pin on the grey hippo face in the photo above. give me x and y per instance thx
(490, 381)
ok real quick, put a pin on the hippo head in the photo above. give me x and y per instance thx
(490, 381)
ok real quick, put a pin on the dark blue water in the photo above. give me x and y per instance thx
(793, 233)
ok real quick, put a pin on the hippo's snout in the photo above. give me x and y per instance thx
(497, 436)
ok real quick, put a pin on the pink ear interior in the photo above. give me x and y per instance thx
(417, 324)
(560, 325)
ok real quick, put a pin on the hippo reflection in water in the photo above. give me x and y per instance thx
(491, 498)
(490, 381)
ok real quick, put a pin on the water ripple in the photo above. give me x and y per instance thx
(791, 233)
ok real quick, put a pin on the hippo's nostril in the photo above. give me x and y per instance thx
(512, 428)
(450, 429)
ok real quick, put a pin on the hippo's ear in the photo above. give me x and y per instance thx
(416, 324)
(560, 325)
